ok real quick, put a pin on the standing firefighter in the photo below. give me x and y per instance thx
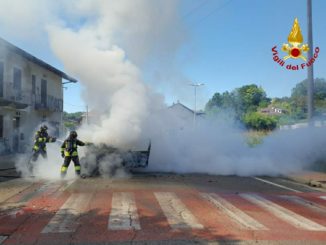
(40, 140)
(69, 152)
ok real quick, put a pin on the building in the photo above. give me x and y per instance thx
(31, 92)
(272, 111)
(184, 115)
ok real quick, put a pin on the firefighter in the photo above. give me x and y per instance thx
(40, 140)
(69, 152)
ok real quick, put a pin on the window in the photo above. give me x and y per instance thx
(44, 92)
(1, 126)
(33, 84)
(1, 78)
(17, 79)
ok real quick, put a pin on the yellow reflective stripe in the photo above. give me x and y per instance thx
(36, 147)
(42, 139)
(74, 154)
(77, 167)
(63, 169)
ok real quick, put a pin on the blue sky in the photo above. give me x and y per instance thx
(228, 45)
(232, 46)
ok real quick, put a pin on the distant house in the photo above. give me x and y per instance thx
(185, 115)
(270, 110)
(30, 93)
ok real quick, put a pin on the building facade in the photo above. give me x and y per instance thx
(31, 93)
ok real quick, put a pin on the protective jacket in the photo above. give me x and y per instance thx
(40, 140)
(69, 147)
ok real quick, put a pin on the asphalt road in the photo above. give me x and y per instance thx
(160, 208)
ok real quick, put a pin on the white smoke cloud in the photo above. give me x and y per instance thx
(219, 147)
(106, 45)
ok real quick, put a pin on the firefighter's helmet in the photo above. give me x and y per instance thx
(44, 128)
(73, 134)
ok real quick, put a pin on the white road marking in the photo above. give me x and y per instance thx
(281, 186)
(287, 215)
(242, 219)
(323, 197)
(66, 219)
(15, 208)
(177, 214)
(2, 239)
(306, 203)
(65, 184)
(123, 214)
(10, 188)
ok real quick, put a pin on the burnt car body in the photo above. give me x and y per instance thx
(106, 160)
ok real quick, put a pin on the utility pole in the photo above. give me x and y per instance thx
(195, 85)
(87, 115)
(310, 85)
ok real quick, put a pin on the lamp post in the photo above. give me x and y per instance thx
(196, 85)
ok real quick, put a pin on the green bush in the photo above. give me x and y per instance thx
(259, 121)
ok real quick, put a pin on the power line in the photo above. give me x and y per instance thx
(75, 105)
(214, 11)
(195, 9)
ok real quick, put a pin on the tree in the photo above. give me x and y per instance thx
(299, 98)
(250, 98)
(72, 120)
(245, 99)
(259, 121)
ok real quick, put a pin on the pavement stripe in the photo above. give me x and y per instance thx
(287, 215)
(66, 219)
(2, 239)
(123, 214)
(11, 188)
(304, 202)
(178, 216)
(66, 185)
(16, 207)
(280, 186)
(241, 218)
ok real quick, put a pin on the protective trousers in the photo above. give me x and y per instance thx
(37, 153)
(66, 163)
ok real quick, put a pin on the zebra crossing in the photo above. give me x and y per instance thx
(124, 214)
(129, 210)
(285, 214)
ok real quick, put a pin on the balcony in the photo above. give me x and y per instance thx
(49, 103)
(14, 98)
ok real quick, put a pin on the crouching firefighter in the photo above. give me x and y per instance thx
(69, 152)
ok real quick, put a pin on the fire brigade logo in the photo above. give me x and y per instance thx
(295, 39)
(295, 49)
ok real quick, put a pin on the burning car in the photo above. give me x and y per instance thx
(106, 160)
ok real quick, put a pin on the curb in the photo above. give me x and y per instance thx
(309, 181)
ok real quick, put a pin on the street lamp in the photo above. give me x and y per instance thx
(195, 85)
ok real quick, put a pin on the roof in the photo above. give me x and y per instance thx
(185, 107)
(35, 60)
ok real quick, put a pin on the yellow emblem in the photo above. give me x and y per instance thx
(295, 39)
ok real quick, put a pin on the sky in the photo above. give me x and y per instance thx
(224, 44)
